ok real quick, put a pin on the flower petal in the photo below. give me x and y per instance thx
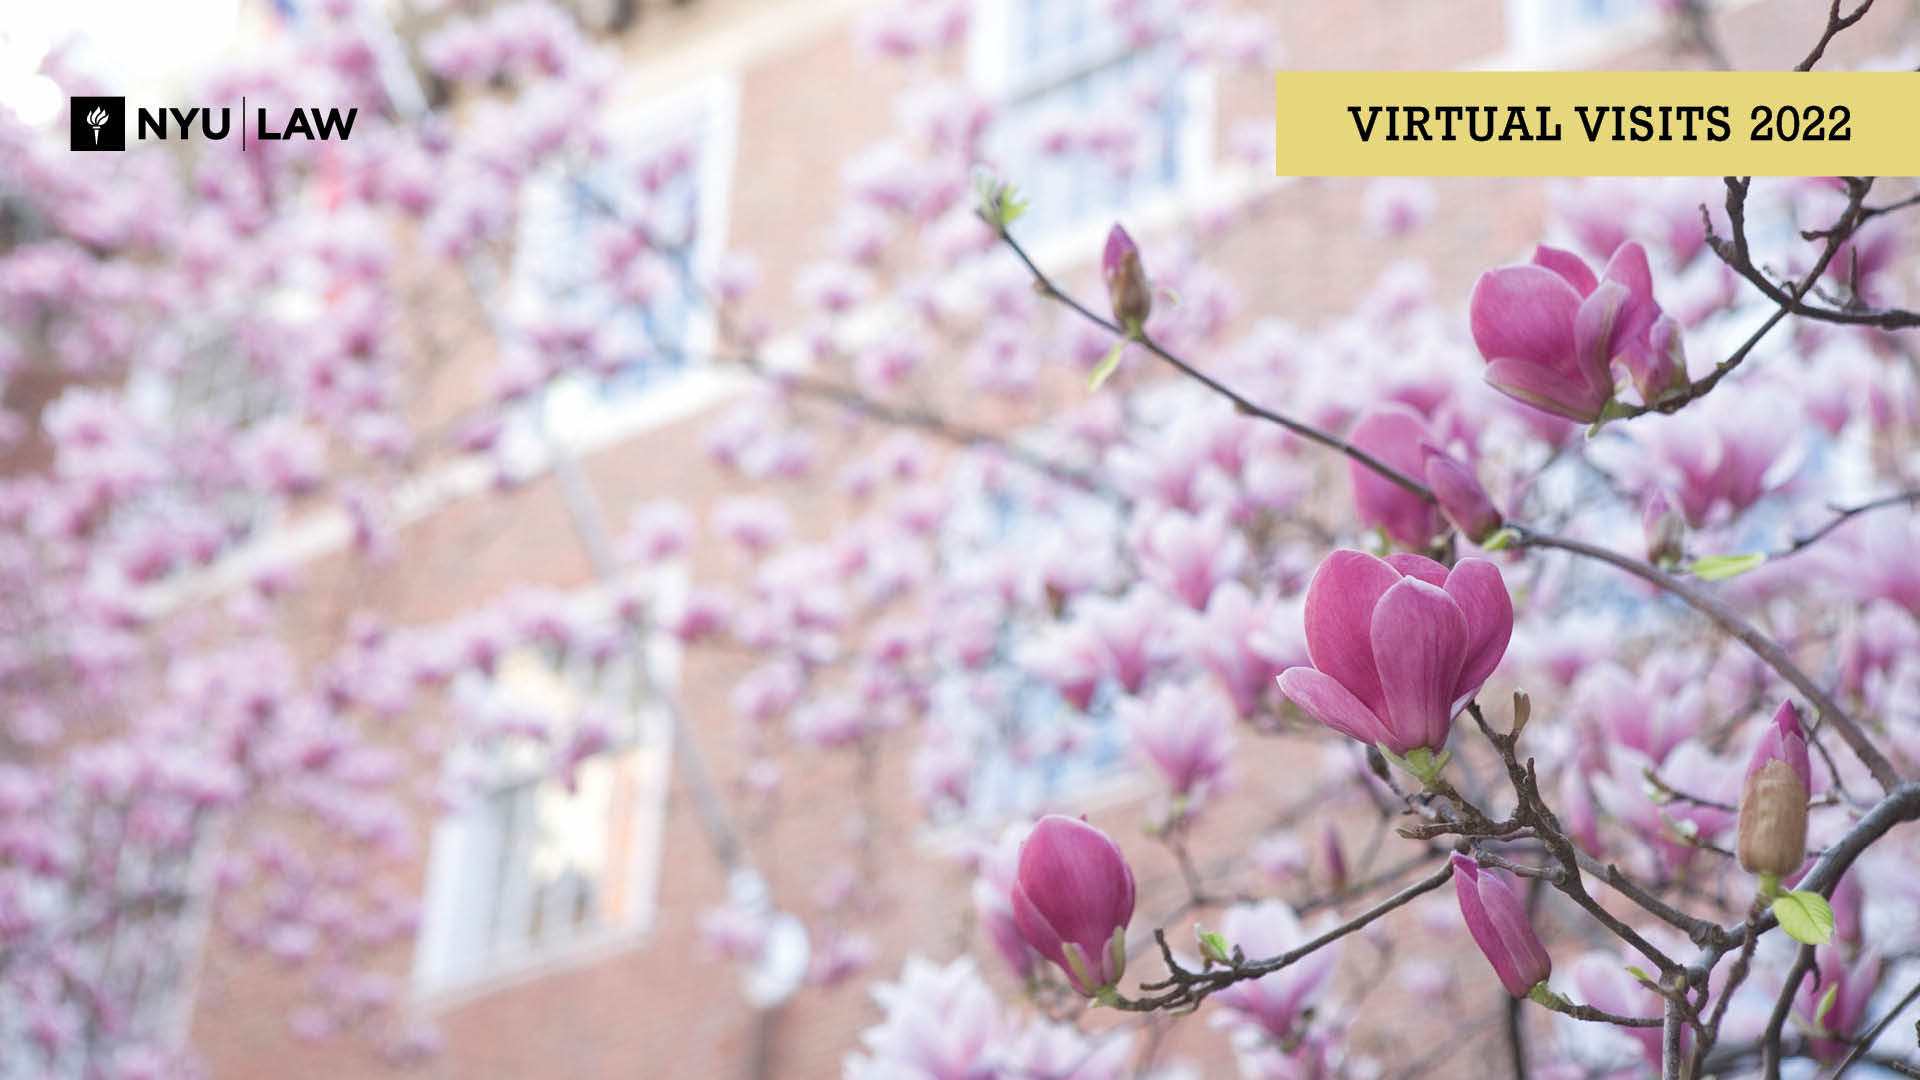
(1629, 267)
(1477, 587)
(1600, 333)
(1419, 637)
(1524, 313)
(1076, 881)
(1418, 566)
(1515, 950)
(1035, 928)
(1339, 621)
(1545, 388)
(1568, 265)
(1324, 699)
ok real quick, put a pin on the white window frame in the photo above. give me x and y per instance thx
(1555, 34)
(993, 71)
(572, 408)
(465, 849)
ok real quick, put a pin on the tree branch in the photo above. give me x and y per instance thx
(1836, 22)
(1186, 989)
(1841, 515)
(1240, 401)
(1761, 645)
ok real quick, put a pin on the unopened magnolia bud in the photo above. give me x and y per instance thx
(1072, 899)
(1497, 919)
(1335, 857)
(1662, 368)
(1773, 821)
(1126, 280)
(1461, 498)
(1666, 532)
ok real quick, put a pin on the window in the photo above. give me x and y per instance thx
(539, 863)
(1540, 26)
(641, 313)
(1092, 122)
(669, 165)
(1024, 746)
(222, 383)
(1035, 754)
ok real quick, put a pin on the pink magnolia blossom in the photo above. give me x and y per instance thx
(656, 531)
(1130, 635)
(1652, 713)
(1772, 836)
(841, 957)
(1603, 981)
(1069, 659)
(1549, 330)
(1188, 555)
(1061, 1052)
(1275, 1004)
(757, 524)
(1397, 204)
(1228, 642)
(993, 900)
(1717, 457)
(1398, 646)
(1072, 901)
(1185, 732)
(940, 1021)
(1665, 827)
(942, 770)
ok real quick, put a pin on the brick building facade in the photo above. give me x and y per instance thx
(781, 98)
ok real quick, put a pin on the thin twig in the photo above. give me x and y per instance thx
(1187, 989)
(1836, 22)
(1761, 645)
(1872, 1034)
(1842, 515)
(1239, 400)
(1782, 1005)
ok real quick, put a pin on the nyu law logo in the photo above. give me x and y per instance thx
(97, 123)
(100, 123)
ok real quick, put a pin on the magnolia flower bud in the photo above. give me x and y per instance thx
(1498, 922)
(1773, 805)
(1666, 532)
(1661, 368)
(1126, 281)
(1461, 498)
(1072, 900)
(1335, 858)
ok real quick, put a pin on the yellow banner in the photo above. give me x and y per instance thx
(1587, 123)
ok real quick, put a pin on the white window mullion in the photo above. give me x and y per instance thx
(515, 887)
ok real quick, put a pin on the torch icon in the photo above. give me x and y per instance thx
(95, 120)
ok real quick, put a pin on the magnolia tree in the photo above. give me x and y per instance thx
(1596, 596)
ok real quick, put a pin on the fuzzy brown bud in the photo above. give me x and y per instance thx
(1773, 821)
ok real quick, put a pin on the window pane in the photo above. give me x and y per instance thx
(1096, 140)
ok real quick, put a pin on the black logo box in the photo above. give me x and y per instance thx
(97, 123)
